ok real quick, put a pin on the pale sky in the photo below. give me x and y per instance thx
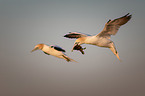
(26, 23)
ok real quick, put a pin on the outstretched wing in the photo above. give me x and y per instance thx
(57, 48)
(112, 26)
(75, 35)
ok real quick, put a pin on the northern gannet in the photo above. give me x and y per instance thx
(103, 38)
(53, 50)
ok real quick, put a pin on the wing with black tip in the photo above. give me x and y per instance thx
(112, 26)
(76, 35)
(57, 48)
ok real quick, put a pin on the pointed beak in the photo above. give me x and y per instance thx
(34, 49)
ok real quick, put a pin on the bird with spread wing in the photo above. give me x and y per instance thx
(103, 38)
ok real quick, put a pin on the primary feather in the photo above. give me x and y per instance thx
(76, 35)
(112, 26)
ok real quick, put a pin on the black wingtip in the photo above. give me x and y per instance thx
(130, 16)
(65, 36)
(127, 14)
(109, 20)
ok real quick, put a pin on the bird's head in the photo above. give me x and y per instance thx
(37, 47)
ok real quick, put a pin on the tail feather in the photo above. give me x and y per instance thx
(117, 55)
(68, 59)
(113, 49)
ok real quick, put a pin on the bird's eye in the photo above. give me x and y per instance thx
(51, 46)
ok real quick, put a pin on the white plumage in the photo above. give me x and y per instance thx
(53, 50)
(103, 38)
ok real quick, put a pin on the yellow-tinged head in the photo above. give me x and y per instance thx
(37, 47)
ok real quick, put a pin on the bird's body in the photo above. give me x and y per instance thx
(53, 50)
(93, 40)
(103, 38)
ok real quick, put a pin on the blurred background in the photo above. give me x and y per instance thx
(26, 23)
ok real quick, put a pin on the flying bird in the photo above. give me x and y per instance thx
(53, 50)
(103, 38)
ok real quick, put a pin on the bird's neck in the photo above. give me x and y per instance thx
(87, 40)
(45, 47)
(82, 40)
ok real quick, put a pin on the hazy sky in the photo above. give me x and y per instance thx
(25, 23)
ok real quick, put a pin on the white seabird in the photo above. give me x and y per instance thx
(103, 38)
(53, 50)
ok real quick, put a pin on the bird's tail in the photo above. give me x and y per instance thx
(113, 49)
(68, 59)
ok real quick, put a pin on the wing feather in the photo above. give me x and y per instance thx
(112, 26)
(57, 48)
(76, 35)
